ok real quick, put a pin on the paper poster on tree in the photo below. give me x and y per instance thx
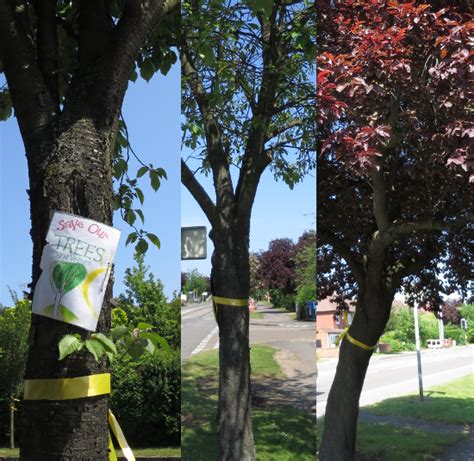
(75, 264)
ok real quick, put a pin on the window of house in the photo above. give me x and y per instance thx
(332, 338)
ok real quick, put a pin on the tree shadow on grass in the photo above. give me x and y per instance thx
(280, 432)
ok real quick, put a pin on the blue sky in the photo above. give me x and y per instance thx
(151, 111)
(277, 212)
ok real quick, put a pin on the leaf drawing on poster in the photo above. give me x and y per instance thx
(64, 278)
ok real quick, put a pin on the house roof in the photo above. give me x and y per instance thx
(326, 305)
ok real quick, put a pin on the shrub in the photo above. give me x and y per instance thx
(305, 293)
(455, 332)
(146, 398)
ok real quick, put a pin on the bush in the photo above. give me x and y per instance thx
(455, 332)
(396, 344)
(146, 398)
(305, 293)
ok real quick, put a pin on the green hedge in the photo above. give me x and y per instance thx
(146, 399)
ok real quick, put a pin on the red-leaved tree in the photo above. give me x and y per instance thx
(276, 269)
(394, 155)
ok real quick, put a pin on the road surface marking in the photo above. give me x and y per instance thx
(205, 341)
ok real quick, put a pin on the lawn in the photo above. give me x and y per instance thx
(451, 403)
(164, 452)
(256, 315)
(280, 434)
(448, 403)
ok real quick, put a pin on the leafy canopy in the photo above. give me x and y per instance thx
(237, 48)
(395, 157)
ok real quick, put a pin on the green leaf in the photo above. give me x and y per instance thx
(133, 76)
(150, 347)
(144, 326)
(161, 173)
(136, 350)
(147, 69)
(96, 348)
(67, 315)
(265, 5)
(130, 217)
(154, 180)
(110, 356)
(142, 171)
(109, 346)
(67, 276)
(118, 332)
(5, 105)
(157, 340)
(69, 344)
(142, 246)
(132, 237)
(140, 213)
(154, 239)
(140, 195)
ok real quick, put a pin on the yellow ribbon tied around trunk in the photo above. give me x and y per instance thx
(79, 388)
(345, 334)
(233, 302)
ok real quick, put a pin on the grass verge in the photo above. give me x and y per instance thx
(256, 315)
(451, 403)
(138, 452)
(280, 434)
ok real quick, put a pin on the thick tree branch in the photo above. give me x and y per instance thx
(281, 129)
(255, 159)
(47, 45)
(34, 107)
(113, 69)
(94, 32)
(355, 265)
(198, 192)
(214, 146)
(380, 206)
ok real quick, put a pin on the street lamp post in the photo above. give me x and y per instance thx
(418, 353)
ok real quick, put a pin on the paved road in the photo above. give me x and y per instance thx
(394, 375)
(294, 340)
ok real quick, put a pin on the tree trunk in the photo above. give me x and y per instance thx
(230, 279)
(342, 410)
(71, 174)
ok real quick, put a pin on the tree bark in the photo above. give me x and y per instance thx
(75, 178)
(342, 410)
(230, 279)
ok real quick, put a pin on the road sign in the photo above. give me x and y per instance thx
(193, 242)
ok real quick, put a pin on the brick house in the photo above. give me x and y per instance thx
(329, 325)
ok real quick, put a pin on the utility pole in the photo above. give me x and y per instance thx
(418, 353)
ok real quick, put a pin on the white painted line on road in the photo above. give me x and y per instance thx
(205, 341)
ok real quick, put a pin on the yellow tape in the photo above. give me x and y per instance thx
(67, 388)
(231, 301)
(345, 334)
(235, 302)
(78, 388)
(117, 430)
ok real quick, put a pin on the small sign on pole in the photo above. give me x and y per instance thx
(194, 242)
(76, 264)
(418, 353)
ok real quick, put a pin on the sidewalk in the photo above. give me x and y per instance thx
(296, 356)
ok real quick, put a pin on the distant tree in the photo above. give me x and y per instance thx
(394, 154)
(256, 284)
(277, 266)
(145, 301)
(305, 259)
(14, 327)
(196, 282)
(184, 278)
(452, 312)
